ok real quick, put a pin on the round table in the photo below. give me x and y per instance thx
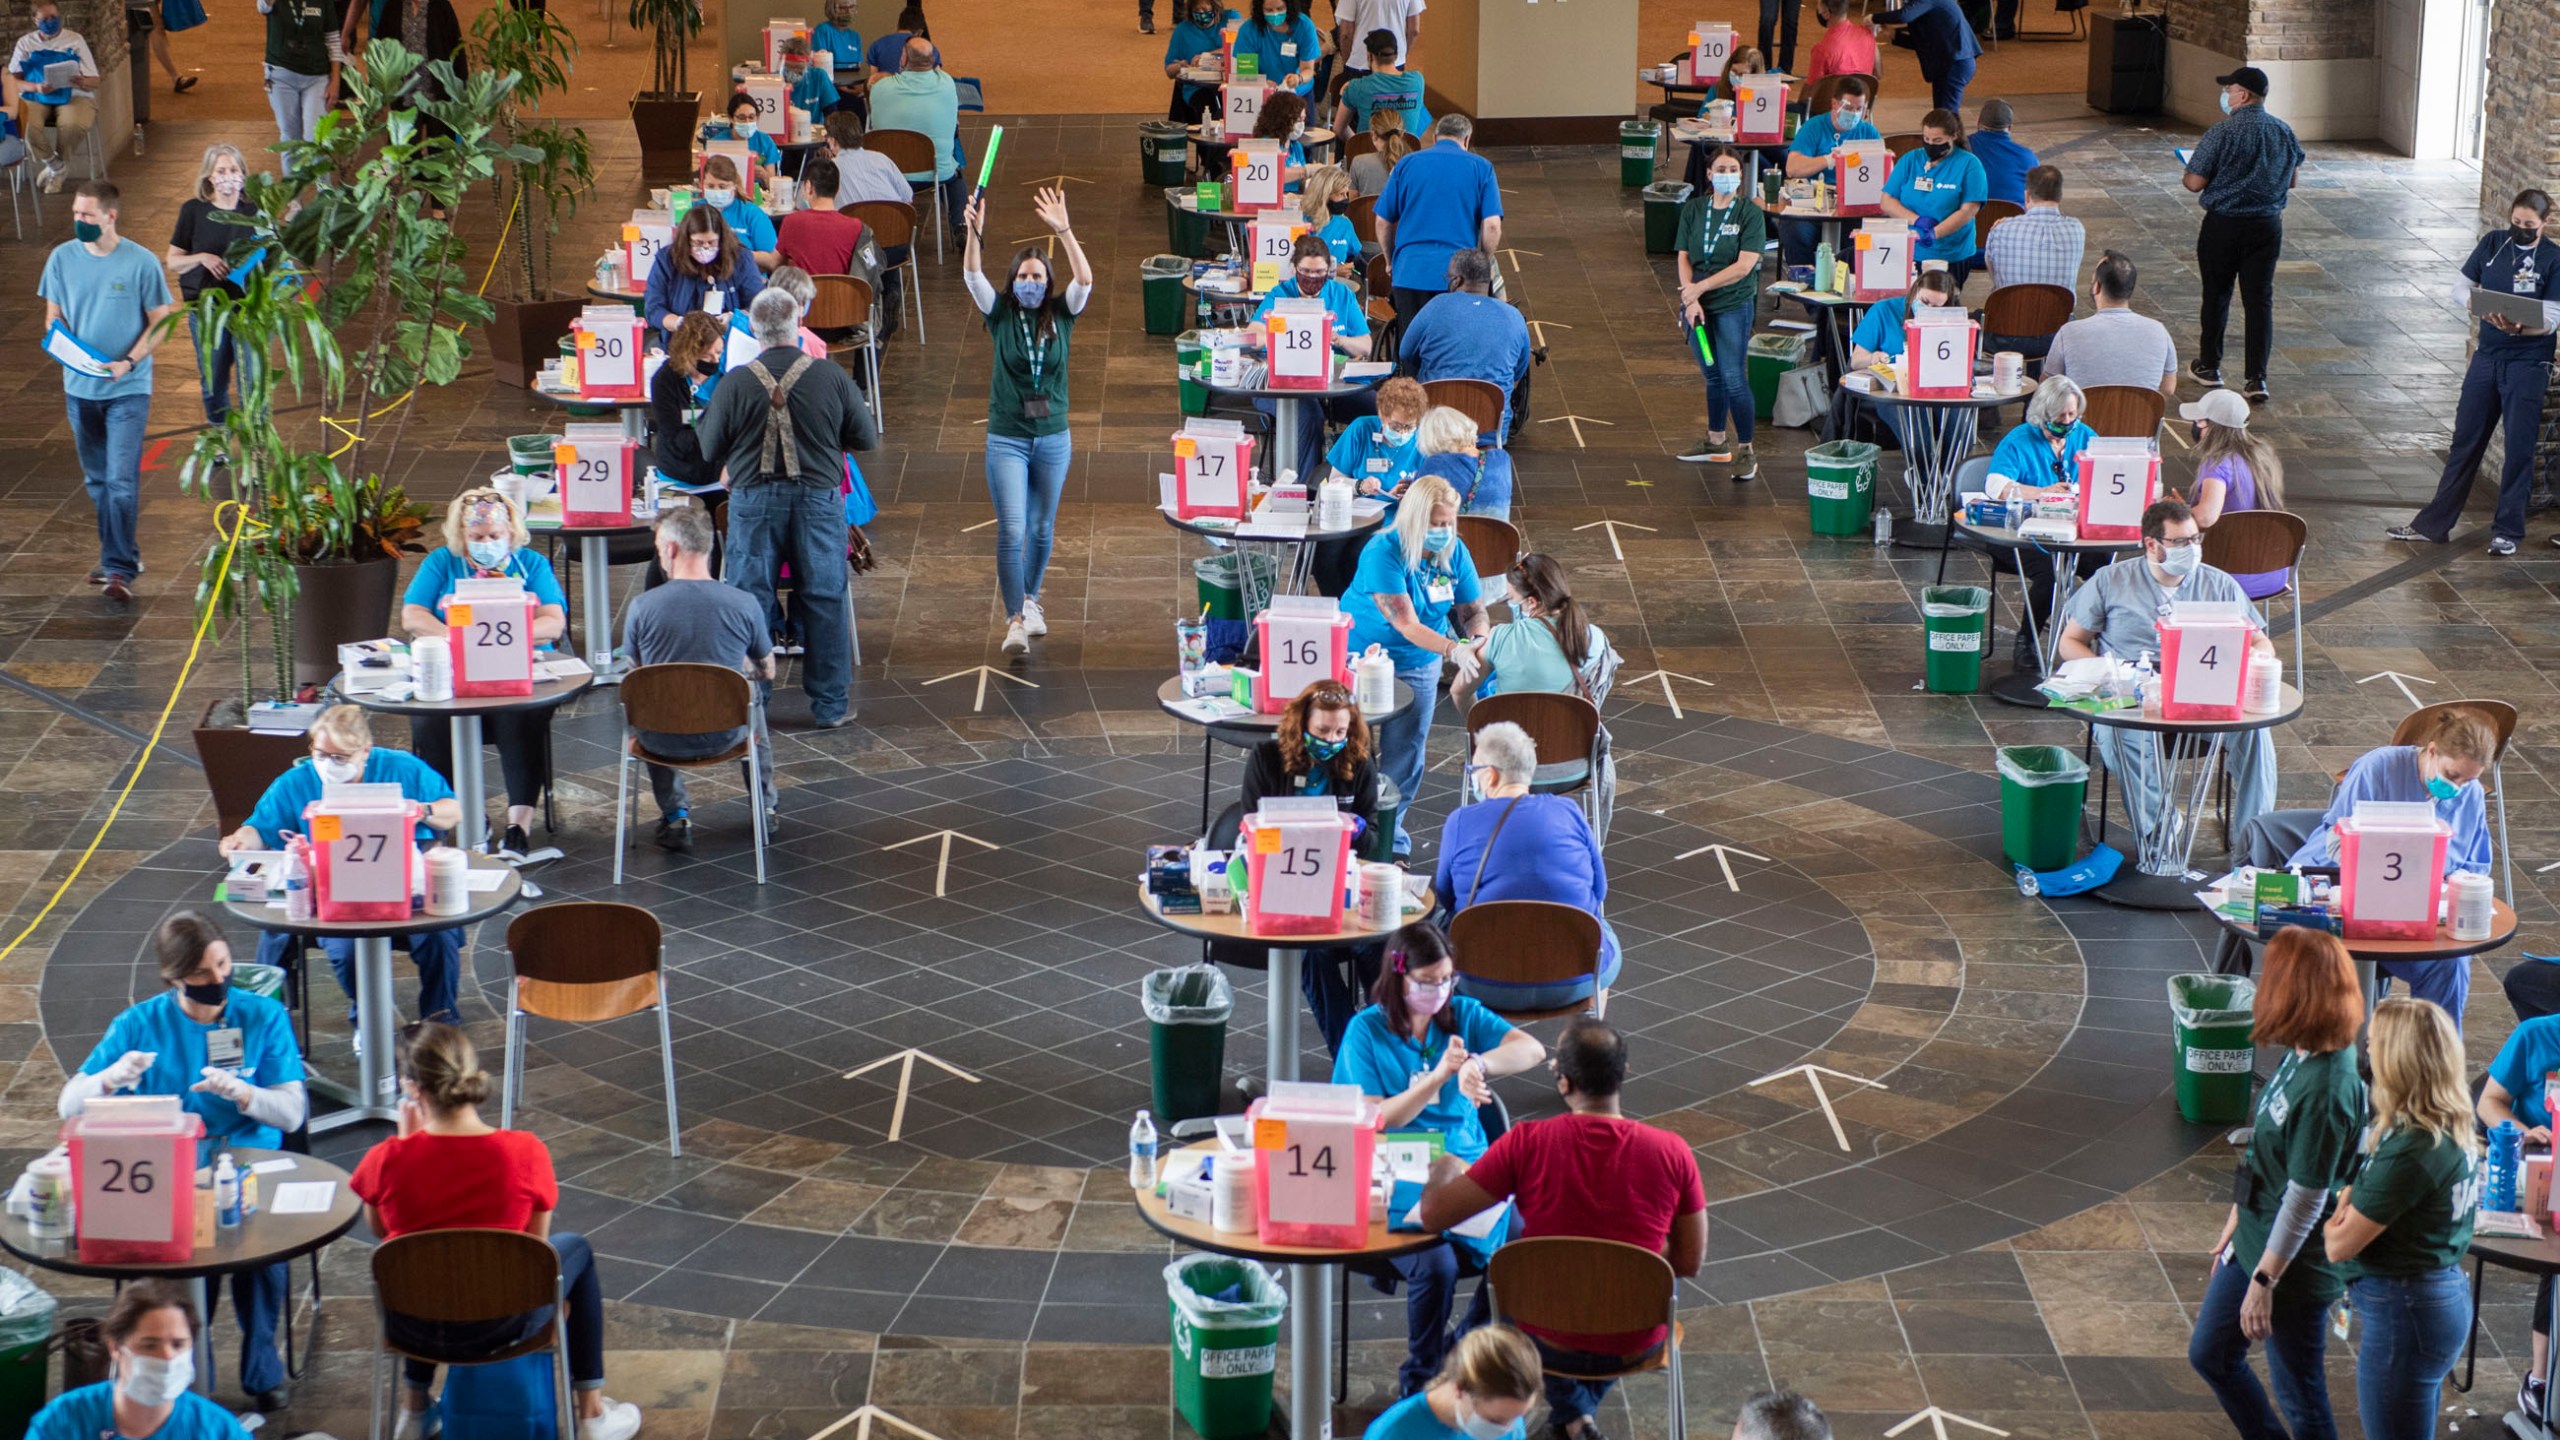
(2159, 878)
(1239, 302)
(2539, 1259)
(1311, 1279)
(1286, 400)
(1246, 731)
(1296, 553)
(464, 713)
(2019, 686)
(633, 412)
(625, 297)
(1937, 436)
(377, 1092)
(2369, 954)
(1239, 240)
(1212, 143)
(595, 593)
(259, 1240)
(1831, 314)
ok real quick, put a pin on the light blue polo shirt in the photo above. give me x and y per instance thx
(90, 1412)
(176, 1045)
(279, 811)
(1383, 1063)
(1436, 198)
(816, 91)
(438, 572)
(843, 47)
(1341, 238)
(754, 227)
(1938, 191)
(1363, 452)
(759, 144)
(1452, 573)
(2026, 455)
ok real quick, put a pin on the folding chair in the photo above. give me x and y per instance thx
(2025, 312)
(1564, 728)
(1594, 1287)
(469, 1277)
(1529, 942)
(1478, 400)
(585, 962)
(686, 700)
(1900, 143)
(2129, 412)
(1495, 547)
(912, 152)
(892, 224)
(1990, 213)
(1818, 100)
(843, 302)
(2252, 542)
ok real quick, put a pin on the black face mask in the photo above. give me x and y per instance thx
(1938, 149)
(706, 367)
(2524, 239)
(211, 996)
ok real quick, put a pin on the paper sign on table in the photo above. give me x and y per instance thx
(1257, 175)
(303, 1197)
(1710, 46)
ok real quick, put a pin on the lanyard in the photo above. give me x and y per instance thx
(1038, 351)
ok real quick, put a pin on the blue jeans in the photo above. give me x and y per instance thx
(2296, 1351)
(784, 521)
(215, 366)
(1797, 240)
(1571, 1400)
(2446, 982)
(1946, 91)
(437, 954)
(1401, 742)
(1431, 1279)
(1729, 379)
(583, 1330)
(108, 436)
(2408, 1331)
(1025, 477)
(2493, 391)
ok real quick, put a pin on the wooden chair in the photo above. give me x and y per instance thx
(583, 962)
(912, 152)
(1992, 213)
(1495, 547)
(2129, 412)
(893, 223)
(1896, 145)
(2025, 312)
(687, 700)
(1564, 728)
(1825, 90)
(1529, 942)
(2502, 721)
(1593, 1287)
(2250, 542)
(467, 1277)
(843, 302)
(1362, 212)
(1478, 400)
(1361, 143)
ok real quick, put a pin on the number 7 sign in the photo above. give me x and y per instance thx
(1884, 261)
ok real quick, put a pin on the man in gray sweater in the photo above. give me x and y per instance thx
(782, 424)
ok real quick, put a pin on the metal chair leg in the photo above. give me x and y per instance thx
(621, 807)
(511, 1071)
(667, 1059)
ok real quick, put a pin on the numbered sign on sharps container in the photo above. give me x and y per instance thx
(2391, 869)
(1884, 260)
(1710, 46)
(364, 865)
(1295, 851)
(1759, 110)
(777, 31)
(1275, 244)
(649, 232)
(1937, 353)
(1212, 470)
(1243, 103)
(607, 338)
(1313, 1146)
(1256, 174)
(133, 1168)
(1863, 166)
(490, 623)
(1304, 639)
(592, 465)
(1300, 344)
(771, 95)
(2119, 478)
(2204, 659)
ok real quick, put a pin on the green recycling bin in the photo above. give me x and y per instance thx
(1378, 846)
(1188, 353)
(1957, 620)
(266, 981)
(1164, 151)
(1840, 485)
(1772, 355)
(2042, 788)
(1161, 276)
(1639, 141)
(1186, 232)
(1662, 202)
(1187, 1012)
(1226, 1343)
(1221, 581)
(26, 1329)
(2210, 1018)
(531, 454)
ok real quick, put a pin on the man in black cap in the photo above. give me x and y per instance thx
(2244, 169)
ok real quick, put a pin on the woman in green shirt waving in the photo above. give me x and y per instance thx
(1721, 236)
(2400, 1231)
(2265, 1284)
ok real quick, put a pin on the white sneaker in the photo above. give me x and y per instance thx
(51, 182)
(620, 1421)
(419, 1424)
(1017, 639)
(1034, 620)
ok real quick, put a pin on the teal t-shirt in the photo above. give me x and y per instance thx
(107, 301)
(1383, 1063)
(1388, 92)
(1439, 583)
(1526, 655)
(1938, 191)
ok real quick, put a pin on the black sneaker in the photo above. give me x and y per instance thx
(516, 842)
(2255, 392)
(675, 834)
(2412, 532)
(2529, 1398)
(2209, 374)
(1146, 27)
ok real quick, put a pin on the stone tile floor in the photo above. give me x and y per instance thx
(2074, 1328)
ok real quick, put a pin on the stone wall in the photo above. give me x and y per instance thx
(2319, 56)
(2520, 143)
(101, 23)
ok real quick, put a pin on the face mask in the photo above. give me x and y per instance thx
(706, 367)
(1312, 287)
(86, 232)
(210, 996)
(795, 73)
(1203, 18)
(1938, 149)
(2441, 788)
(152, 1382)
(49, 26)
(705, 254)
(1437, 539)
(2182, 562)
(2524, 239)
(1725, 181)
(1476, 1426)
(1394, 436)
(718, 197)
(1323, 750)
(1846, 117)
(1029, 293)
(337, 771)
(488, 554)
(1274, 17)
(2057, 428)
(2226, 102)
(1427, 999)
(228, 187)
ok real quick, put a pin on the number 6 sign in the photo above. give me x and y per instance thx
(1938, 357)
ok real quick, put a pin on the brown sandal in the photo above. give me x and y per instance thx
(185, 83)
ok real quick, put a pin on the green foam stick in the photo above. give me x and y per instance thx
(1706, 351)
(987, 167)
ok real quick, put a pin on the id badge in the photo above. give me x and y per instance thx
(224, 1049)
(1035, 407)
(1289, 50)
(1377, 464)
(1923, 184)
(1440, 592)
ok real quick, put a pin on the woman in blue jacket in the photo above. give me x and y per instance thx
(704, 259)
(2034, 460)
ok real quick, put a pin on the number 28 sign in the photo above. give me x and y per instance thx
(492, 647)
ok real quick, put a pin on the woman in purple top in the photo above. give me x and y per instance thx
(2235, 471)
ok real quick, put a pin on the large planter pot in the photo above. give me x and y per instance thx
(525, 333)
(240, 764)
(338, 604)
(665, 124)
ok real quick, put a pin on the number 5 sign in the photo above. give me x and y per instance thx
(2118, 481)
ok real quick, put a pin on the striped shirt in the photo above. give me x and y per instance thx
(2041, 247)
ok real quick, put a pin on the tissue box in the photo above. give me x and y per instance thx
(2272, 918)
(1189, 1197)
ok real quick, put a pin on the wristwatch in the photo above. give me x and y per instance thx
(2261, 1278)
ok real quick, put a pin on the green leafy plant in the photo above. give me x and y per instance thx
(542, 193)
(671, 24)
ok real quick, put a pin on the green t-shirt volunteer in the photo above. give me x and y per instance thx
(1715, 236)
(2308, 1125)
(1028, 394)
(2424, 1191)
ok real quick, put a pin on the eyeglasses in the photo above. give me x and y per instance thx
(319, 752)
(2182, 542)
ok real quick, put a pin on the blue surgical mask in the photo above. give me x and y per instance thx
(1725, 181)
(2441, 788)
(1323, 751)
(1438, 538)
(49, 26)
(1394, 436)
(488, 554)
(718, 196)
(2225, 97)
(1029, 293)
(2181, 561)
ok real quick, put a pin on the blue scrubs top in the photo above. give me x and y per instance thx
(442, 568)
(2391, 773)
(759, 144)
(177, 1047)
(843, 46)
(1382, 1062)
(1283, 49)
(90, 1412)
(1411, 1419)
(1362, 452)
(1339, 237)
(889, 52)
(1449, 575)
(2025, 454)
(1938, 191)
(1340, 300)
(816, 91)
(754, 227)
(1880, 329)
(279, 811)
(1818, 137)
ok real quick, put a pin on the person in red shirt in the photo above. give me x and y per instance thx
(1592, 1173)
(1848, 43)
(821, 239)
(448, 1169)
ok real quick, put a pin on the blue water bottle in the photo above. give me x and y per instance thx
(2506, 1164)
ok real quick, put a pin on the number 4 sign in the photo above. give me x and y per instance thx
(1938, 355)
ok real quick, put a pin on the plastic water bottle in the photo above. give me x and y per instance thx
(226, 1192)
(1884, 526)
(2146, 680)
(298, 905)
(1142, 1152)
(2506, 1165)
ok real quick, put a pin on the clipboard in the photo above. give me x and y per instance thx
(73, 353)
(2524, 310)
(2186, 155)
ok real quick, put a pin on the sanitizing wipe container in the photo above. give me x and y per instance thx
(2391, 869)
(1311, 1180)
(1295, 851)
(2210, 1017)
(1840, 486)
(2204, 659)
(1226, 1343)
(133, 1178)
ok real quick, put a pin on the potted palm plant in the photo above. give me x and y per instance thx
(664, 114)
(536, 195)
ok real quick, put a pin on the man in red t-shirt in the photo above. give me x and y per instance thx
(1592, 1173)
(821, 239)
(1847, 46)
